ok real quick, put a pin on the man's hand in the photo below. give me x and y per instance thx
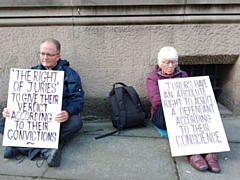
(5, 113)
(62, 116)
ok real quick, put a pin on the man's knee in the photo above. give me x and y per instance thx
(70, 127)
(75, 123)
(2, 125)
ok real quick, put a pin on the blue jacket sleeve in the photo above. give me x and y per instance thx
(73, 97)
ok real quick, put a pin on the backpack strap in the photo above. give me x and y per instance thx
(122, 114)
(105, 135)
(122, 110)
(119, 99)
(134, 96)
(115, 84)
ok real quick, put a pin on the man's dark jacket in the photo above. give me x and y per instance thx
(73, 94)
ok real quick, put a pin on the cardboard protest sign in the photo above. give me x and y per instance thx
(34, 98)
(192, 117)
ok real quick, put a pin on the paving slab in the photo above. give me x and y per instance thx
(12, 167)
(229, 162)
(224, 112)
(134, 154)
(115, 157)
(22, 178)
(98, 128)
(18, 178)
(232, 128)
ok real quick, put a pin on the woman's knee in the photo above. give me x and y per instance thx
(158, 118)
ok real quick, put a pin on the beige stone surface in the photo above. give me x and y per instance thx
(103, 55)
(111, 41)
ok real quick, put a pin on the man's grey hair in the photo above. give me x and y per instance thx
(55, 42)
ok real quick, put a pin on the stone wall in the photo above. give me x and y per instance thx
(122, 50)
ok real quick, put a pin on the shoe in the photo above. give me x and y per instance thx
(212, 162)
(11, 152)
(198, 162)
(53, 157)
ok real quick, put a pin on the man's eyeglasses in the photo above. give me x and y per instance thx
(48, 55)
(169, 62)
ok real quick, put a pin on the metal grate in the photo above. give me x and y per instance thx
(204, 70)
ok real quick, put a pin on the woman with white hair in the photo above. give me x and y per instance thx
(166, 68)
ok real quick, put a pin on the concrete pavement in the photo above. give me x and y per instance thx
(136, 154)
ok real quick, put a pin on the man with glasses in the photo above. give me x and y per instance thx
(72, 104)
(166, 68)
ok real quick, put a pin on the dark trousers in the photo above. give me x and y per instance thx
(67, 130)
(158, 118)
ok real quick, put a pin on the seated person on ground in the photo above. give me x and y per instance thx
(72, 104)
(168, 67)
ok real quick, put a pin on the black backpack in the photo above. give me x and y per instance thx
(126, 108)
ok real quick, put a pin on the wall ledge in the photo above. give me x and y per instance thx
(58, 3)
(106, 12)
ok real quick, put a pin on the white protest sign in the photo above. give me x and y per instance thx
(34, 98)
(192, 117)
